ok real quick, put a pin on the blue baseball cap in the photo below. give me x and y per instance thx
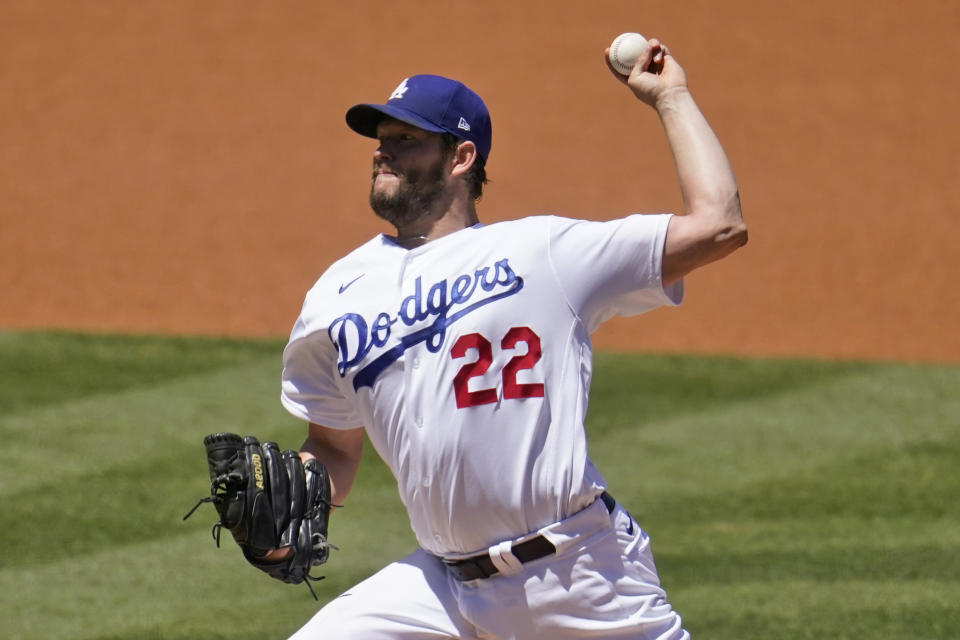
(431, 103)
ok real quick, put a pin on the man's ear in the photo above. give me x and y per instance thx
(463, 158)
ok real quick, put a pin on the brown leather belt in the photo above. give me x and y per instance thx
(481, 566)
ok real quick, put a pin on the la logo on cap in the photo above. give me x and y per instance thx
(400, 90)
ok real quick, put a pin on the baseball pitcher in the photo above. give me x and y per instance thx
(463, 351)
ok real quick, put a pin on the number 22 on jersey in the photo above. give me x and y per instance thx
(511, 388)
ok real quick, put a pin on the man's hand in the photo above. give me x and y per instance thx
(655, 74)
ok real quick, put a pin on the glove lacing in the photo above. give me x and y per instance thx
(218, 489)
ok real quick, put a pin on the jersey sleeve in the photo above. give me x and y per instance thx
(309, 387)
(612, 268)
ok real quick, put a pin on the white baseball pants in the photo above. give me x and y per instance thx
(601, 583)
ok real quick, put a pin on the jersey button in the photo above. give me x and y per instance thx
(419, 421)
(416, 363)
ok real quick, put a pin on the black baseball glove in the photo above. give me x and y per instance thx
(269, 501)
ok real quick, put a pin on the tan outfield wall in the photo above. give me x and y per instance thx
(184, 166)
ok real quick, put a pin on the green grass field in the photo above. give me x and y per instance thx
(785, 499)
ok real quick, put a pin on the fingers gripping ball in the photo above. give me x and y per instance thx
(624, 51)
(276, 507)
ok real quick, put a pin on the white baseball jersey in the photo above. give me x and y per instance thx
(468, 361)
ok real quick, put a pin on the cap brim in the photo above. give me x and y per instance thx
(364, 118)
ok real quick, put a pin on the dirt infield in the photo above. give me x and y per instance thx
(183, 166)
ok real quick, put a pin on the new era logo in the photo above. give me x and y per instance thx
(463, 125)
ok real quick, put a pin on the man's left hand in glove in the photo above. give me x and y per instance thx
(276, 507)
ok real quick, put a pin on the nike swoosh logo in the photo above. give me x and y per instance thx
(344, 287)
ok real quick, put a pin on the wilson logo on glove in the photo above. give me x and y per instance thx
(257, 470)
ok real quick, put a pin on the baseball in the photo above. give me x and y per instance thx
(625, 50)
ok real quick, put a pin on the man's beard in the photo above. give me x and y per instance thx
(416, 197)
